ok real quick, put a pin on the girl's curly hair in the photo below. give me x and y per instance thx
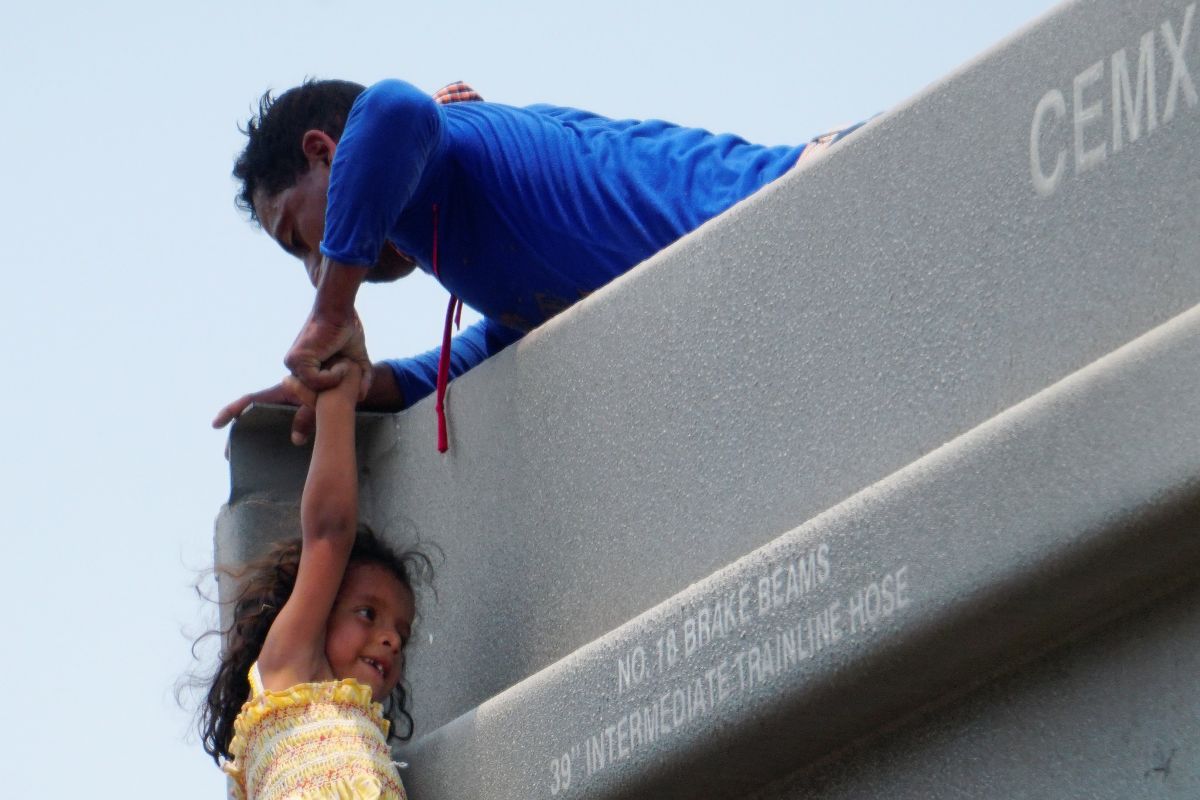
(266, 584)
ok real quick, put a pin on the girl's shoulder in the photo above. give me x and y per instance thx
(348, 695)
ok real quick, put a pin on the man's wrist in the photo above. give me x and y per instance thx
(384, 394)
(336, 292)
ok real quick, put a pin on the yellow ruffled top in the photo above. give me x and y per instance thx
(314, 741)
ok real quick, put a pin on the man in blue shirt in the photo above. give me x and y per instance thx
(519, 212)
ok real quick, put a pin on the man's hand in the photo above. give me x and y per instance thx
(318, 342)
(332, 329)
(290, 392)
(384, 395)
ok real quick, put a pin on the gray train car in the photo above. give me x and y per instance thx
(883, 484)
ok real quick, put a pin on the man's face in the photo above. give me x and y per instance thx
(295, 217)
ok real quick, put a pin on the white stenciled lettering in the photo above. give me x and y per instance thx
(768, 661)
(1181, 78)
(771, 652)
(792, 590)
(1130, 98)
(631, 669)
(743, 603)
(888, 595)
(729, 621)
(668, 651)
(1134, 105)
(724, 681)
(635, 729)
(788, 654)
(807, 568)
(713, 693)
(709, 624)
(778, 587)
(643, 725)
(650, 718)
(1087, 158)
(700, 702)
(679, 708)
(560, 773)
(878, 600)
(753, 669)
(739, 662)
(1052, 101)
(824, 633)
(594, 747)
(788, 582)
(717, 628)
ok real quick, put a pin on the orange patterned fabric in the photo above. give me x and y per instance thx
(457, 92)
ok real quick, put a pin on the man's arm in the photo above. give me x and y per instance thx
(332, 328)
(416, 377)
(395, 384)
(383, 395)
(390, 133)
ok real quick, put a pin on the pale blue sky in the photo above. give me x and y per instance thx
(138, 301)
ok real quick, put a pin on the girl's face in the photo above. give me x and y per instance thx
(370, 624)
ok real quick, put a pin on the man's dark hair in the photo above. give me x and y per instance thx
(274, 159)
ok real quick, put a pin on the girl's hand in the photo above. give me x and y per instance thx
(349, 375)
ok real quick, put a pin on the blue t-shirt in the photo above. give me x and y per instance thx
(536, 207)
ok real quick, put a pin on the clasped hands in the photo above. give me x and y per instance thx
(319, 342)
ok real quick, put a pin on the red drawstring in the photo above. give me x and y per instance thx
(443, 377)
(456, 92)
(453, 317)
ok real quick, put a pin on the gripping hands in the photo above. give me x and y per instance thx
(320, 340)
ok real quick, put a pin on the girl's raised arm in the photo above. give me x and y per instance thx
(294, 650)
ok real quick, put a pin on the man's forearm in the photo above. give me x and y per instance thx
(337, 289)
(384, 394)
(332, 328)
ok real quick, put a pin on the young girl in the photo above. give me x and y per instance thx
(317, 642)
